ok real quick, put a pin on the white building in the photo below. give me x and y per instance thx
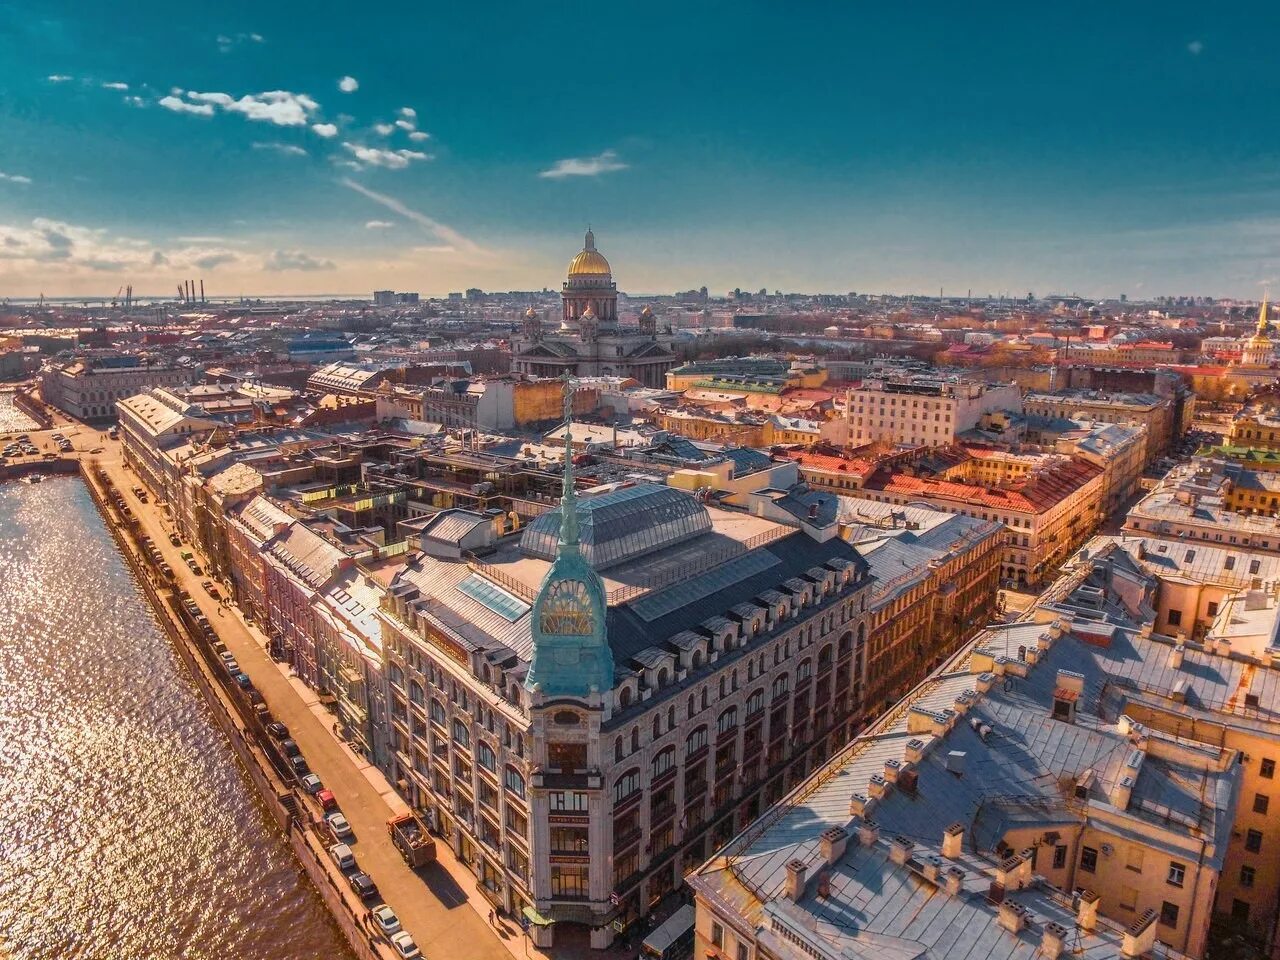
(918, 410)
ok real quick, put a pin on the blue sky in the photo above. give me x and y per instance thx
(1108, 148)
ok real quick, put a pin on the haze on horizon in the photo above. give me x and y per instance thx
(306, 149)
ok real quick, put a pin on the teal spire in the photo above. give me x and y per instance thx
(571, 655)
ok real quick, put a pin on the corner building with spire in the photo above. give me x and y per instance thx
(587, 706)
(589, 342)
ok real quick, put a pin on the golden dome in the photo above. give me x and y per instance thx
(590, 262)
(531, 313)
(646, 312)
(588, 314)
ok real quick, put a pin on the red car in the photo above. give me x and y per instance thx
(327, 800)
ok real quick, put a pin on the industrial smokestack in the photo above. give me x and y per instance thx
(202, 300)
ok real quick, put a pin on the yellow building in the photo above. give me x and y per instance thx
(1255, 430)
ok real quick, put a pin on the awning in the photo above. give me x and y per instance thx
(535, 918)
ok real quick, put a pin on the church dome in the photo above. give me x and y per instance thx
(531, 313)
(590, 262)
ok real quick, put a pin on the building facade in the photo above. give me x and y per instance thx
(584, 715)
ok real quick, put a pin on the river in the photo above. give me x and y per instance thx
(128, 829)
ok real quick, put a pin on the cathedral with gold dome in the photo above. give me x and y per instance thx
(1259, 350)
(588, 341)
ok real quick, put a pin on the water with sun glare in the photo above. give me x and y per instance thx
(127, 828)
(11, 418)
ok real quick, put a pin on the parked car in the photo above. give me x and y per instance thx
(290, 748)
(342, 856)
(327, 800)
(232, 667)
(227, 656)
(311, 783)
(175, 540)
(242, 680)
(405, 947)
(386, 919)
(339, 826)
(278, 731)
(299, 766)
(362, 885)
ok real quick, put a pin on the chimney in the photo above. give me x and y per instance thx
(1070, 680)
(953, 841)
(796, 871)
(955, 762)
(868, 833)
(982, 660)
(915, 750)
(984, 682)
(1175, 656)
(900, 850)
(833, 844)
(1053, 940)
(930, 867)
(1087, 910)
(1014, 872)
(891, 768)
(859, 805)
(954, 881)
(1012, 916)
(1139, 936)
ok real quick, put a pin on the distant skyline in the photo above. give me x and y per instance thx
(289, 148)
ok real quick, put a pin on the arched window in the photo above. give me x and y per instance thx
(727, 720)
(862, 634)
(635, 739)
(693, 704)
(755, 702)
(805, 669)
(781, 685)
(845, 645)
(697, 659)
(657, 728)
(695, 741)
(663, 677)
(671, 718)
(617, 749)
(624, 698)
(514, 781)
(704, 698)
(626, 785)
(824, 657)
(664, 761)
(486, 757)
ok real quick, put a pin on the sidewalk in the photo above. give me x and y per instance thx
(427, 904)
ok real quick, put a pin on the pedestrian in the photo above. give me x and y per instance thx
(492, 918)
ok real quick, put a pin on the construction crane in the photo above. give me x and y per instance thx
(116, 299)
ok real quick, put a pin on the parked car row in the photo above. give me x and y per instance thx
(362, 886)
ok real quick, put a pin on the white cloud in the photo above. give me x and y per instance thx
(384, 129)
(1195, 47)
(116, 85)
(227, 43)
(67, 249)
(405, 125)
(409, 113)
(447, 235)
(286, 149)
(606, 162)
(348, 84)
(325, 130)
(379, 225)
(391, 159)
(418, 136)
(283, 108)
(136, 101)
(14, 178)
(59, 78)
(181, 106)
(295, 260)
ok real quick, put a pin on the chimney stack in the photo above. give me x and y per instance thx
(1087, 910)
(796, 871)
(953, 841)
